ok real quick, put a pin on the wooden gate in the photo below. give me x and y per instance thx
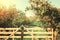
(27, 33)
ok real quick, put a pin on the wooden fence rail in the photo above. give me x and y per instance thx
(32, 33)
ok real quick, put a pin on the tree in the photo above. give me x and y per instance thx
(39, 7)
(6, 16)
(45, 14)
(18, 19)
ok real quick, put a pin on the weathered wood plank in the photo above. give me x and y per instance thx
(27, 36)
(27, 33)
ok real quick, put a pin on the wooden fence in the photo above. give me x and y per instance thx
(27, 33)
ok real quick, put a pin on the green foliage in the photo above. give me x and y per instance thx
(18, 19)
(40, 7)
(47, 14)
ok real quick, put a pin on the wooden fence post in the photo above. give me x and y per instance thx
(32, 35)
(52, 34)
(13, 35)
(55, 34)
(22, 32)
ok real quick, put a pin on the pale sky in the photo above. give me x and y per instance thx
(55, 3)
(22, 4)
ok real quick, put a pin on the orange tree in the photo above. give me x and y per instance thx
(6, 16)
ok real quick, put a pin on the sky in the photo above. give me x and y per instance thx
(55, 3)
(22, 4)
